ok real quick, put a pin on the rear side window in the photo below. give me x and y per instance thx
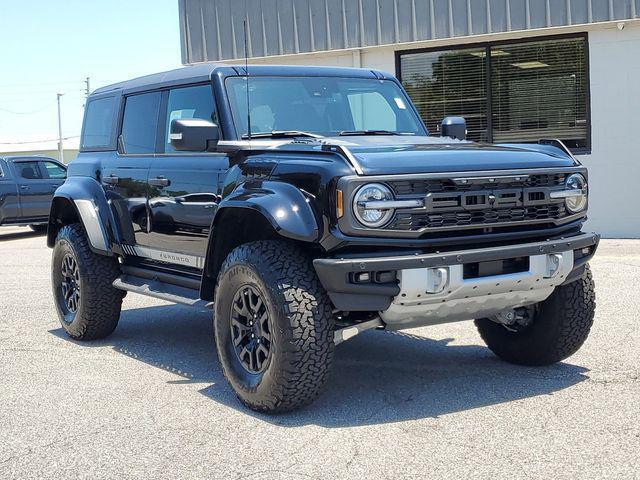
(29, 170)
(140, 123)
(189, 102)
(98, 123)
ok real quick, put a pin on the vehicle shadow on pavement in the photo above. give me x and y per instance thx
(378, 377)
(5, 237)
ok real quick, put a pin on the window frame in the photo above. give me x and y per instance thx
(45, 170)
(120, 148)
(164, 110)
(18, 170)
(413, 110)
(159, 148)
(113, 128)
(488, 75)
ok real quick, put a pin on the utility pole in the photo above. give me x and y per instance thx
(87, 90)
(60, 147)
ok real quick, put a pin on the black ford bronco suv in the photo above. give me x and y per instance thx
(306, 205)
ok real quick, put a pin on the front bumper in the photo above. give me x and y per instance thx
(404, 302)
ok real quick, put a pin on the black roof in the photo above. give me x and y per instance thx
(204, 71)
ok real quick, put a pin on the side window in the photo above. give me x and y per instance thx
(140, 123)
(54, 170)
(29, 170)
(189, 102)
(371, 111)
(98, 123)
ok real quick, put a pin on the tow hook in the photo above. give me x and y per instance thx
(514, 319)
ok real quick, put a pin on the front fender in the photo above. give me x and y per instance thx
(83, 199)
(285, 207)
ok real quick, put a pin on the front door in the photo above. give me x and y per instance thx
(184, 188)
(54, 173)
(124, 175)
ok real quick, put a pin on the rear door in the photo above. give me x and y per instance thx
(9, 205)
(124, 175)
(183, 186)
(34, 190)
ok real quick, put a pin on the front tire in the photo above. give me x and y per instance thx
(560, 326)
(88, 305)
(273, 326)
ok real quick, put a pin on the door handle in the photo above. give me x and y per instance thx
(111, 180)
(24, 187)
(159, 182)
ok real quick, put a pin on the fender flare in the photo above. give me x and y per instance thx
(90, 206)
(286, 208)
(283, 207)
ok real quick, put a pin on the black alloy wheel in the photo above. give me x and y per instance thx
(273, 326)
(250, 330)
(87, 303)
(70, 282)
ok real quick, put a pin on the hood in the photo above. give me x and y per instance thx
(381, 155)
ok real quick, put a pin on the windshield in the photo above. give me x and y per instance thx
(326, 106)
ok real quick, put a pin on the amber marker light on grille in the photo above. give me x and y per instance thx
(339, 204)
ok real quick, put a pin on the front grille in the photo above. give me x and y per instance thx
(417, 221)
(424, 186)
(482, 203)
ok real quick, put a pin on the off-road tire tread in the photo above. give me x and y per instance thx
(561, 327)
(100, 311)
(309, 348)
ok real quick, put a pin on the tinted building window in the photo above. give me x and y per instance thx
(98, 123)
(189, 102)
(140, 123)
(514, 92)
(449, 83)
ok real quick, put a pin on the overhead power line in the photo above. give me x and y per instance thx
(39, 141)
(13, 112)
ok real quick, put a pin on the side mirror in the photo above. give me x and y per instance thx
(193, 134)
(454, 127)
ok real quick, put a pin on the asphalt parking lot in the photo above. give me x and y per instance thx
(150, 401)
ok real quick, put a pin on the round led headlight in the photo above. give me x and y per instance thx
(577, 202)
(366, 205)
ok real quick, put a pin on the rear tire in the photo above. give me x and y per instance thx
(560, 326)
(269, 299)
(88, 305)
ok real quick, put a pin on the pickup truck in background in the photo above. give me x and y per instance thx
(27, 185)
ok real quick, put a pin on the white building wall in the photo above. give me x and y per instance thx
(614, 162)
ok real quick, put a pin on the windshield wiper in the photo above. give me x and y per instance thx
(347, 133)
(281, 134)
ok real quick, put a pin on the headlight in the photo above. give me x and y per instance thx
(577, 201)
(372, 217)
